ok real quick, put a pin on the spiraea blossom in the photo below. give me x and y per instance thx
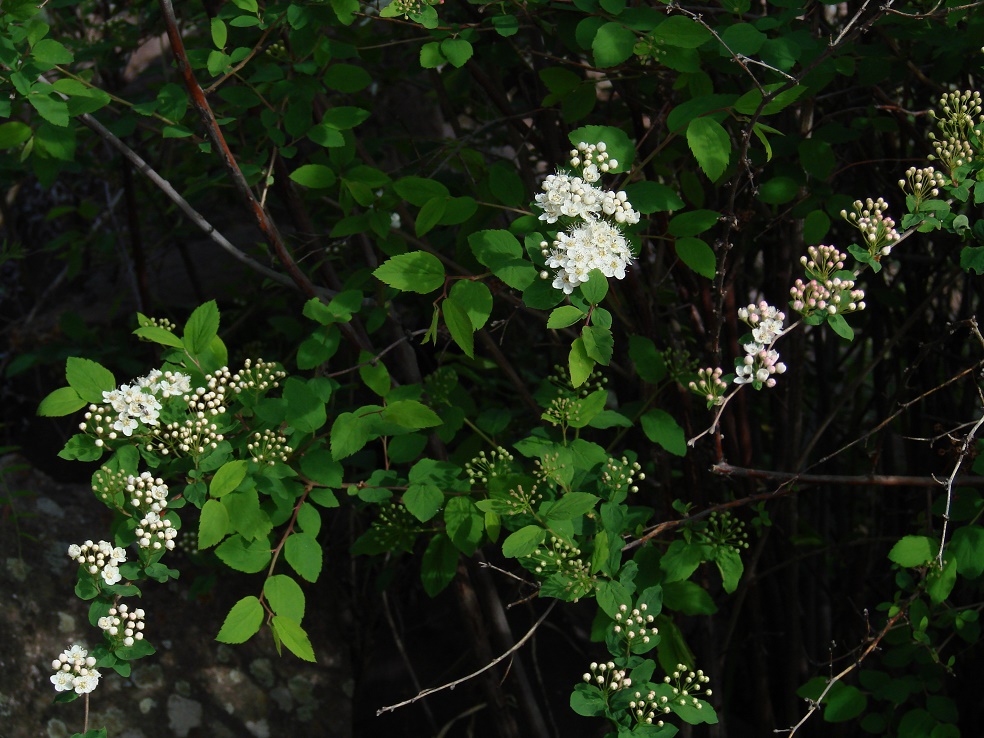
(761, 362)
(74, 669)
(594, 239)
(877, 229)
(99, 559)
(131, 407)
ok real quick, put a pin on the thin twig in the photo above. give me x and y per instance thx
(456, 682)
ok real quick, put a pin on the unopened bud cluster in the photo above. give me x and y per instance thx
(123, 626)
(99, 559)
(256, 376)
(486, 466)
(193, 437)
(635, 628)
(562, 411)
(687, 685)
(832, 296)
(147, 493)
(710, 386)
(593, 160)
(645, 707)
(110, 486)
(557, 556)
(620, 475)
(961, 120)
(149, 497)
(823, 262)
(877, 229)
(724, 529)
(269, 447)
(922, 184)
(607, 677)
(75, 670)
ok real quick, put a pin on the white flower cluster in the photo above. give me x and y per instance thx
(636, 626)
(760, 362)
(74, 670)
(123, 624)
(99, 558)
(156, 532)
(597, 242)
(607, 677)
(877, 229)
(147, 493)
(131, 405)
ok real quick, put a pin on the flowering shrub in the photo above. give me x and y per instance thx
(445, 272)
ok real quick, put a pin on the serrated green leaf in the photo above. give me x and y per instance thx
(314, 176)
(464, 524)
(613, 44)
(598, 343)
(523, 542)
(579, 363)
(840, 327)
(63, 401)
(242, 622)
(913, 551)
(439, 564)
(242, 555)
(220, 34)
(411, 414)
(728, 561)
(89, 379)
(13, 133)
(653, 197)
(305, 409)
(304, 554)
(696, 254)
(227, 478)
(457, 51)
(159, 335)
(564, 316)
(430, 54)
(416, 271)
(475, 299)
(294, 637)
(710, 145)
(502, 253)
(202, 327)
(572, 505)
(51, 52)
(213, 524)
(349, 433)
(660, 427)
(423, 501)
(460, 326)
(285, 596)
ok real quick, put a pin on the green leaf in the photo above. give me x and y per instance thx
(242, 555)
(523, 542)
(48, 51)
(612, 45)
(345, 117)
(941, 582)
(13, 134)
(660, 427)
(314, 176)
(460, 326)
(840, 327)
(220, 34)
(710, 144)
(588, 700)
(464, 523)
(696, 254)
(349, 433)
(285, 596)
(346, 78)
(303, 553)
(416, 271)
(63, 401)
(692, 223)
(213, 524)
(292, 635)
(439, 564)
(729, 563)
(89, 379)
(475, 299)
(52, 110)
(227, 478)
(502, 253)
(588, 408)
(598, 343)
(972, 258)
(430, 54)
(242, 622)
(579, 363)
(681, 32)
(967, 544)
(564, 316)
(318, 465)
(653, 197)
(423, 501)
(688, 598)
(913, 551)
(305, 409)
(457, 51)
(202, 327)
(843, 702)
(418, 190)
(649, 363)
(595, 289)
(411, 414)
(572, 505)
(159, 335)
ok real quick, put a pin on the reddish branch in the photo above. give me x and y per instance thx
(198, 99)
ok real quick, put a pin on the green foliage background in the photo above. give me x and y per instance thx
(363, 177)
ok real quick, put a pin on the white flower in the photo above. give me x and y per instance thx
(85, 683)
(111, 574)
(63, 680)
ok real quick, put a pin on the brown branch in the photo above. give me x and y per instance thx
(198, 99)
(860, 480)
